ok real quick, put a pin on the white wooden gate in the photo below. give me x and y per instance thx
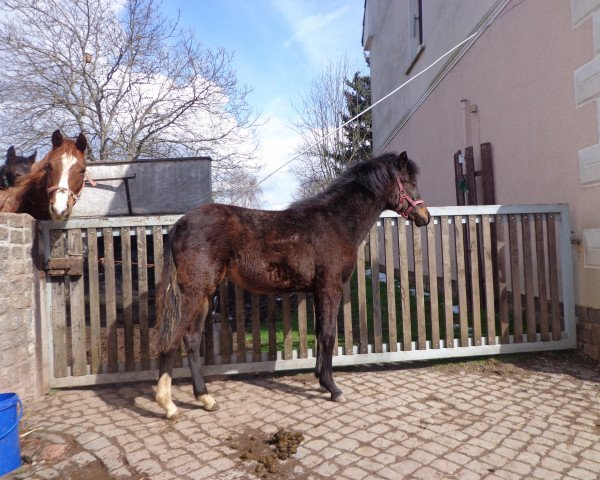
(479, 280)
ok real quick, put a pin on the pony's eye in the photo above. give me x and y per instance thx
(82, 170)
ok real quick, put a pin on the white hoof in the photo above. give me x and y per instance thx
(210, 404)
(339, 399)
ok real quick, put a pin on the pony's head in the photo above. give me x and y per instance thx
(16, 166)
(406, 199)
(65, 174)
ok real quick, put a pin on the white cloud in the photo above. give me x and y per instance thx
(320, 30)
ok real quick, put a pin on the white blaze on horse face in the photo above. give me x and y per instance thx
(61, 197)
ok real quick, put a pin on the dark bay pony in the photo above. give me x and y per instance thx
(54, 184)
(310, 247)
(16, 166)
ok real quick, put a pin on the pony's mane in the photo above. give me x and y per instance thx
(372, 177)
(10, 199)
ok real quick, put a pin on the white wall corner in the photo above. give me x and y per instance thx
(587, 82)
(591, 248)
(582, 9)
(589, 166)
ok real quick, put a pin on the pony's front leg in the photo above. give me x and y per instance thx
(327, 302)
(192, 340)
(192, 343)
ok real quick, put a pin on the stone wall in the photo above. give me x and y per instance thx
(18, 283)
(588, 331)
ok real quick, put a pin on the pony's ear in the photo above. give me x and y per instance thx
(32, 157)
(10, 154)
(402, 160)
(57, 139)
(81, 143)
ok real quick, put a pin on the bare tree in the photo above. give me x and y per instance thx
(319, 119)
(134, 82)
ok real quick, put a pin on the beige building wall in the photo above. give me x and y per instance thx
(518, 83)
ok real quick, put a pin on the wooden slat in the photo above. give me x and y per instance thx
(110, 301)
(287, 327)
(540, 249)
(404, 286)
(390, 286)
(461, 282)
(475, 294)
(487, 174)
(502, 279)
(208, 339)
(488, 254)
(362, 299)
(77, 300)
(458, 176)
(157, 241)
(226, 334)
(447, 272)
(433, 286)
(272, 323)
(127, 297)
(553, 274)
(419, 289)
(94, 288)
(471, 185)
(142, 271)
(347, 299)
(240, 323)
(58, 311)
(256, 343)
(302, 324)
(515, 275)
(375, 290)
(528, 271)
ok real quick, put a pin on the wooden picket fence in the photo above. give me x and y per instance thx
(407, 300)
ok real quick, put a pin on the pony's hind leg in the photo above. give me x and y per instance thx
(327, 302)
(163, 393)
(192, 339)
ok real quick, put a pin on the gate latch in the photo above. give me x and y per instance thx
(58, 267)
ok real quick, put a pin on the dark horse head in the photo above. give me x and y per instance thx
(16, 166)
(407, 199)
(387, 182)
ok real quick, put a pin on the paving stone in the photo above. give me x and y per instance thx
(397, 423)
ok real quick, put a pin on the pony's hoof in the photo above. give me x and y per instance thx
(339, 398)
(322, 389)
(209, 403)
(214, 408)
(174, 416)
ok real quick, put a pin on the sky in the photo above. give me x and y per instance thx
(278, 47)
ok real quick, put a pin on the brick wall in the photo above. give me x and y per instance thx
(588, 331)
(18, 367)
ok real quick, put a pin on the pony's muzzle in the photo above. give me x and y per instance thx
(421, 216)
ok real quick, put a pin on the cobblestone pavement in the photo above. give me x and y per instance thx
(532, 416)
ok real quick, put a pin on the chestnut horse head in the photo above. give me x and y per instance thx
(54, 184)
(65, 174)
(16, 166)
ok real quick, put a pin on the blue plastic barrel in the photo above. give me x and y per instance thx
(10, 451)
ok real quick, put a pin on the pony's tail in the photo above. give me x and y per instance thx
(168, 303)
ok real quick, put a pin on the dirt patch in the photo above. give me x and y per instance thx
(41, 451)
(267, 456)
